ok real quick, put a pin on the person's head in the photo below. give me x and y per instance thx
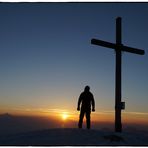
(87, 88)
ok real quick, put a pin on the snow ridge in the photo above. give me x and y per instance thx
(74, 137)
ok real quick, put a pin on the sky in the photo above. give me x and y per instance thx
(46, 58)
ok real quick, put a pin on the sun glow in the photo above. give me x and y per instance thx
(65, 116)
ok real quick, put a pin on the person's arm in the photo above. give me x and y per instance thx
(93, 104)
(79, 102)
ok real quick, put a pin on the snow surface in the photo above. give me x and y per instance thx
(75, 137)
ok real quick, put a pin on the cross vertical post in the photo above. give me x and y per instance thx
(118, 124)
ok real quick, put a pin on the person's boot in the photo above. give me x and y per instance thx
(79, 125)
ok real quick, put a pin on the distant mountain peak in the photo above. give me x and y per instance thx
(6, 115)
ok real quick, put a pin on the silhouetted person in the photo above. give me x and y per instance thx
(86, 100)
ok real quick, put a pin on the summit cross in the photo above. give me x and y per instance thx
(119, 47)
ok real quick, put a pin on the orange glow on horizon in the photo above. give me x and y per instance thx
(67, 115)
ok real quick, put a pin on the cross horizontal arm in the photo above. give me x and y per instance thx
(133, 50)
(115, 46)
(103, 43)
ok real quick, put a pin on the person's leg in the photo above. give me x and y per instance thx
(81, 119)
(88, 119)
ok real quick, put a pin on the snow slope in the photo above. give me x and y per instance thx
(74, 137)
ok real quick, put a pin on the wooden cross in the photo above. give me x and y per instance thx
(119, 47)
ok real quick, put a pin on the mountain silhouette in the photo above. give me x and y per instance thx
(6, 115)
(11, 124)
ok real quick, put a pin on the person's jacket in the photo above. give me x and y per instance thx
(86, 99)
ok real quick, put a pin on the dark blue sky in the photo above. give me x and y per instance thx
(46, 57)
